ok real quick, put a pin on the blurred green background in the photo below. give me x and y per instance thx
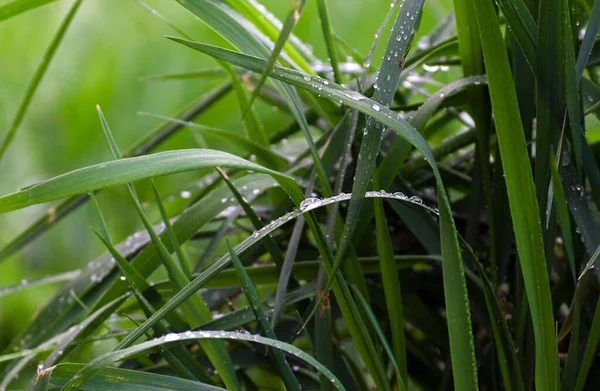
(110, 45)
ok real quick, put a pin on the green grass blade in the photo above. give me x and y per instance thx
(329, 41)
(128, 380)
(252, 296)
(212, 14)
(523, 27)
(191, 336)
(195, 310)
(590, 350)
(183, 261)
(142, 147)
(562, 211)
(17, 7)
(268, 157)
(37, 77)
(591, 32)
(363, 302)
(523, 204)
(391, 289)
(127, 170)
(456, 294)
(291, 20)
(219, 265)
(300, 54)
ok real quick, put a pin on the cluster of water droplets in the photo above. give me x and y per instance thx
(313, 203)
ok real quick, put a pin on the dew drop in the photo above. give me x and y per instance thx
(415, 199)
(376, 107)
(307, 78)
(171, 337)
(308, 202)
(185, 194)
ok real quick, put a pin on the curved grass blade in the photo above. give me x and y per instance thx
(238, 35)
(17, 7)
(223, 262)
(131, 169)
(289, 24)
(191, 336)
(195, 309)
(84, 328)
(127, 380)
(521, 194)
(60, 311)
(268, 241)
(252, 296)
(458, 308)
(142, 147)
(37, 77)
(51, 279)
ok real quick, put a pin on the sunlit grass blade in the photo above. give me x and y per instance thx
(83, 329)
(17, 7)
(128, 380)
(252, 296)
(37, 77)
(521, 194)
(142, 147)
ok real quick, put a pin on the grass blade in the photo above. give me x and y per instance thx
(195, 310)
(17, 7)
(144, 146)
(291, 20)
(523, 205)
(363, 302)
(191, 336)
(37, 76)
(128, 380)
(456, 294)
(252, 296)
(131, 169)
